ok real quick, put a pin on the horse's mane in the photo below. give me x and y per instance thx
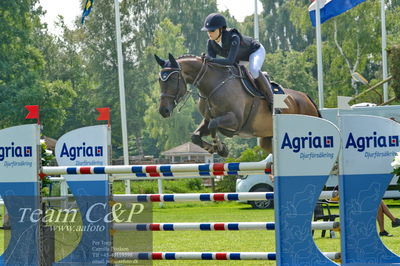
(188, 56)
(192, 56)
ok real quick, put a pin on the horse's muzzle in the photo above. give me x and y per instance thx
(165, 111)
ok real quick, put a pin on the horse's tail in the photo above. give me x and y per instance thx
(316, 107)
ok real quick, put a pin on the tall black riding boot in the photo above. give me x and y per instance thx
(265, 87)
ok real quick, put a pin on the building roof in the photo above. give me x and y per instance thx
(186, 149)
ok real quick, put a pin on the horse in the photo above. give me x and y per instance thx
(224, 103)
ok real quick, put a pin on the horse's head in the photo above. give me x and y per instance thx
(172, 84)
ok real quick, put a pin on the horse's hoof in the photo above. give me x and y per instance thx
(224, 151)
(211, 150)
(196, 139)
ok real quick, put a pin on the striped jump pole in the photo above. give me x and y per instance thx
(242, 196)
(204, 255)
(170, 175)
(194, 256)
(192, 197)
(164, 170)
(211, 226)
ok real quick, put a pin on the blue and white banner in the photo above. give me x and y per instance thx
(331, 8)
(305, 145)
(305, 150)
(87, 146)
(19, 189)
(369, 144)
(18, 153)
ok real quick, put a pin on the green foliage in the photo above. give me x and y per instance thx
(46, 157)
(277, 32)
(351, 43)
(226, 184)
(23, 76)
(293, 70)
(176, 129)
(237, 145)
(254, 154)
(185, 185)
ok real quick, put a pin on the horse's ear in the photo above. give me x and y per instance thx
(160, 61)
(173, 61)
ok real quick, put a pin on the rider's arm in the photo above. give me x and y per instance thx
(210, 50)
(231, 59)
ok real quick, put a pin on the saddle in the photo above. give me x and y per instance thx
(251, 87)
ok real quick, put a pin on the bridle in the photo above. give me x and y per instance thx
(165, 74)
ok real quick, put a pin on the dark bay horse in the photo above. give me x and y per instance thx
(224, 104)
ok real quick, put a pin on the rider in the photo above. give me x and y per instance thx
(235, 47)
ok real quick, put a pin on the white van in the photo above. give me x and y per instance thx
(256, 183)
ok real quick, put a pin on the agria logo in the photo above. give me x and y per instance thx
(81, 151)
(308, 142)
(14, 151)
(374, 141)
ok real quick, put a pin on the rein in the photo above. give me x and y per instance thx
(201, 73)
(200, 76)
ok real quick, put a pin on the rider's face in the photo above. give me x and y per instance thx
(213, 35)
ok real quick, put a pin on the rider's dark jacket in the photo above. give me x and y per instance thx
(235, 47)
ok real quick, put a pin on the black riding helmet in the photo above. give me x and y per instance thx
(214, 21)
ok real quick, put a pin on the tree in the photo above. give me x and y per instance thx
(23, 76)
(351, 42)
(176, 129)
(65, 61)
(277, 32)
(292, 70)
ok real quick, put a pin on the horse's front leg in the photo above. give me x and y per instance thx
(201, 131)
(218, 146)
(227, 121)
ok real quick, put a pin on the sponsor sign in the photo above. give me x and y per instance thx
(305, 150)
(86, 146)
(369, 146)
(18, 153)
(369, 143)
(305, 145)
(19, 190)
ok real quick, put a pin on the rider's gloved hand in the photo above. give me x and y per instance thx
(208, 58)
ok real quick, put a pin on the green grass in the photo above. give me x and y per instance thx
(227, 241)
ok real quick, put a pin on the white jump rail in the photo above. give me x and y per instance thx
(204, 255)
(215, 226)
(160, 169)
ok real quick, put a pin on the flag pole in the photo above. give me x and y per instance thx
(319, 57)
(122, 92)
(384, 54)
(256, 27)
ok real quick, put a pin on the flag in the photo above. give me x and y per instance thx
(33, 112)
(87, 9)
(331, 8)
(104, 114)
